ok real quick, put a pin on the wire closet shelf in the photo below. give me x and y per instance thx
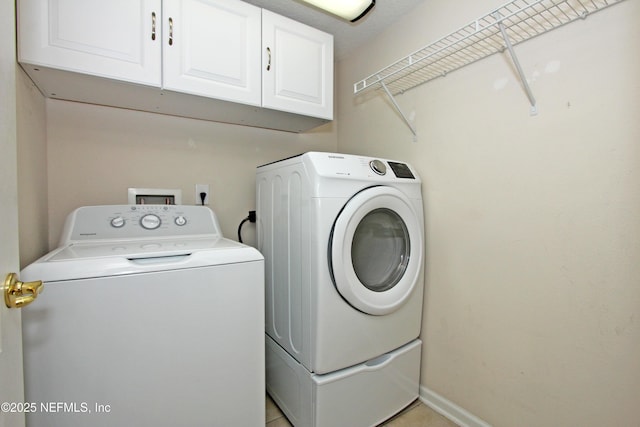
(510, 24)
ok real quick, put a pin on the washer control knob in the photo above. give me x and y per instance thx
(180, 221)
(150, 221)
(117, 222)
(378, 167)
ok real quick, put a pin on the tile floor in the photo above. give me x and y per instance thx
(415, 415)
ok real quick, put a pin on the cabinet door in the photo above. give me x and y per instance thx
(114, 39)
(212, 48)
(297, 67)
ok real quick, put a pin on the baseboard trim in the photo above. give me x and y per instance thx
(448, 409)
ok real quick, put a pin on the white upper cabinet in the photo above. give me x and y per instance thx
(215, 60)
(117, 38)
(297, 67)
(211, 48)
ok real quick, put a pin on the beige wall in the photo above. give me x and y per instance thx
(32, 170)
(96, 153)
(73, 154)
(532, 309)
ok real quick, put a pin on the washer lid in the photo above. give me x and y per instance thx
(137, 248)
(87, 260)
(376, 250)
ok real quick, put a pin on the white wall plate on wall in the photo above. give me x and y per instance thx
(154, 196)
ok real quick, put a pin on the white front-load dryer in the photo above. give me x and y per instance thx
(343, 240)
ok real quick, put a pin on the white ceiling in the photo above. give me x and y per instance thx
(347, 36)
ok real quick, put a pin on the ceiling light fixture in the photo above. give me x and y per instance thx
(351, 10)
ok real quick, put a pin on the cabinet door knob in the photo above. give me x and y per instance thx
(153, 25)
(269, 59)
(170, 31)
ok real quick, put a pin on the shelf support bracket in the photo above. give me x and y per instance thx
(532, 100)
(399, 110)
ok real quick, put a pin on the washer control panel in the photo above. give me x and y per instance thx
(138, 221)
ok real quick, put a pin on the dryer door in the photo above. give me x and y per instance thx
(376, 250)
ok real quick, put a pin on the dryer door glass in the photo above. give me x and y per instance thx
(375, 250)
(380, 249)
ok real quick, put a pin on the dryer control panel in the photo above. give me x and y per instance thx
(112, 222)
(345, 165)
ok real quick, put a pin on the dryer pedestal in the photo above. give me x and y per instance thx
(362, 395)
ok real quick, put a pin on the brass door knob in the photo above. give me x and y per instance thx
(18, 294)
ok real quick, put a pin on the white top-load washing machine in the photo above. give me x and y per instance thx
(343, 240)
(149, 317)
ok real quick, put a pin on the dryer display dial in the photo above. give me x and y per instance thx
(378, 167)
